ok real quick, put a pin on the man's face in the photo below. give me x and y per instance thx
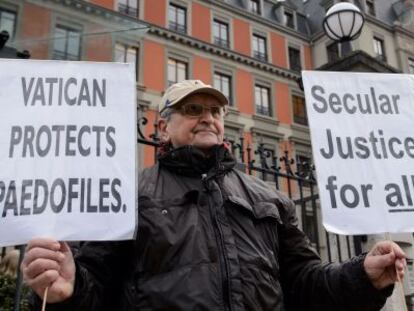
(202, 131)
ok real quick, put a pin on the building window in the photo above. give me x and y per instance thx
(379, 49)
(333, 52)
(177, 18)
(299, 110)
(370, 7)
(222, 82)
(259, 48)
(289, 20)
(8, 22)
(254, 6)
(294, 59)
(127, 54)
(411, 65)
(128, 7)
(177, 71)
(221, 33)
(66, 44)
(262, 99)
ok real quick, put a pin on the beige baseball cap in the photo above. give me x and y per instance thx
(178, 91)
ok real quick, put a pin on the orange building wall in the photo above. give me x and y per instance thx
(278, 43)
(282, 102)
(200, 24)
(244, 92)
(202, 69)
(308, 57)
(109, 4)
(97, 48)
(241, 35)
(35, 23)
(155, 12)
(154, 66)
(149, 151)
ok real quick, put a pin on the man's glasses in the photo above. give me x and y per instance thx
(197, 110)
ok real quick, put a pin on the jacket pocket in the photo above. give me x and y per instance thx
(170, 234)
(259, 210)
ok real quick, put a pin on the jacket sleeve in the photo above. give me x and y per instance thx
(100, 268)
(310, 285)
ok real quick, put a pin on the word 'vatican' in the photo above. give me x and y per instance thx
(58, 91)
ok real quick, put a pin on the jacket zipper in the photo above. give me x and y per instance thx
(224, 273)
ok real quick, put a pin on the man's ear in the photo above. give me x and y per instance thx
(162, 130)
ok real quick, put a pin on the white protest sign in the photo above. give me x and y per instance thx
(67, 151)
(362, 130)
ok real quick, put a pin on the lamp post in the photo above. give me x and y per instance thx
(343, 23)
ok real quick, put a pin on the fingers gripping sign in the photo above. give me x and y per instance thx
(49, 264)
(385, 264)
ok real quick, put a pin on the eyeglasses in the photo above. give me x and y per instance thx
(197, 110)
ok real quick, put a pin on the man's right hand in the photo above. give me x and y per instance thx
(48, 263)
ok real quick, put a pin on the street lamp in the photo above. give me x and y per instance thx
(343, 22)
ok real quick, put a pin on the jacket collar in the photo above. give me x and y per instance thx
(191, 161)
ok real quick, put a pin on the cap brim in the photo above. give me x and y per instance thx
(222, 99)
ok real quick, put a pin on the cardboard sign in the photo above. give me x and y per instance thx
(67, 151)
(362, 130)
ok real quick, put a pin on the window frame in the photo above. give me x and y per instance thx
(127, 9)
(250, 7)
(230, 84)
(178, 60)
(297, 67)
(370, 7)
(259, 109)
(15, 13)
(257, 54)
(128, 46)
(218, 40)
(72, 28)
(174, 25)
(292, 14)
(299, 119)
(379, 42)
(410, 62)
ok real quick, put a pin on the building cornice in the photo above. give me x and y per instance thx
(222, 52)
(96, 11)
(369, 21)
(257, 18)
(355, 58)
(300, 140)
(401, 30)
(260, 131)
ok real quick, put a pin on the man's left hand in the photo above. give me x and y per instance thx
(385, 264)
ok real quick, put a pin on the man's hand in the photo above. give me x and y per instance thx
(383, 262)
(48, 263)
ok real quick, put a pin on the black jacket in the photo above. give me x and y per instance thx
(213, 238)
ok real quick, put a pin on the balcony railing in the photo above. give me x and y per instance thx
(128, 10)
(221, 42)
(300, 120)
(177, 27)
(260, 56)
(263, 110)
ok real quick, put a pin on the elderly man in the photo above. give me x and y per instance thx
(209, 237)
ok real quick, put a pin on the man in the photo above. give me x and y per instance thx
(209, 237)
